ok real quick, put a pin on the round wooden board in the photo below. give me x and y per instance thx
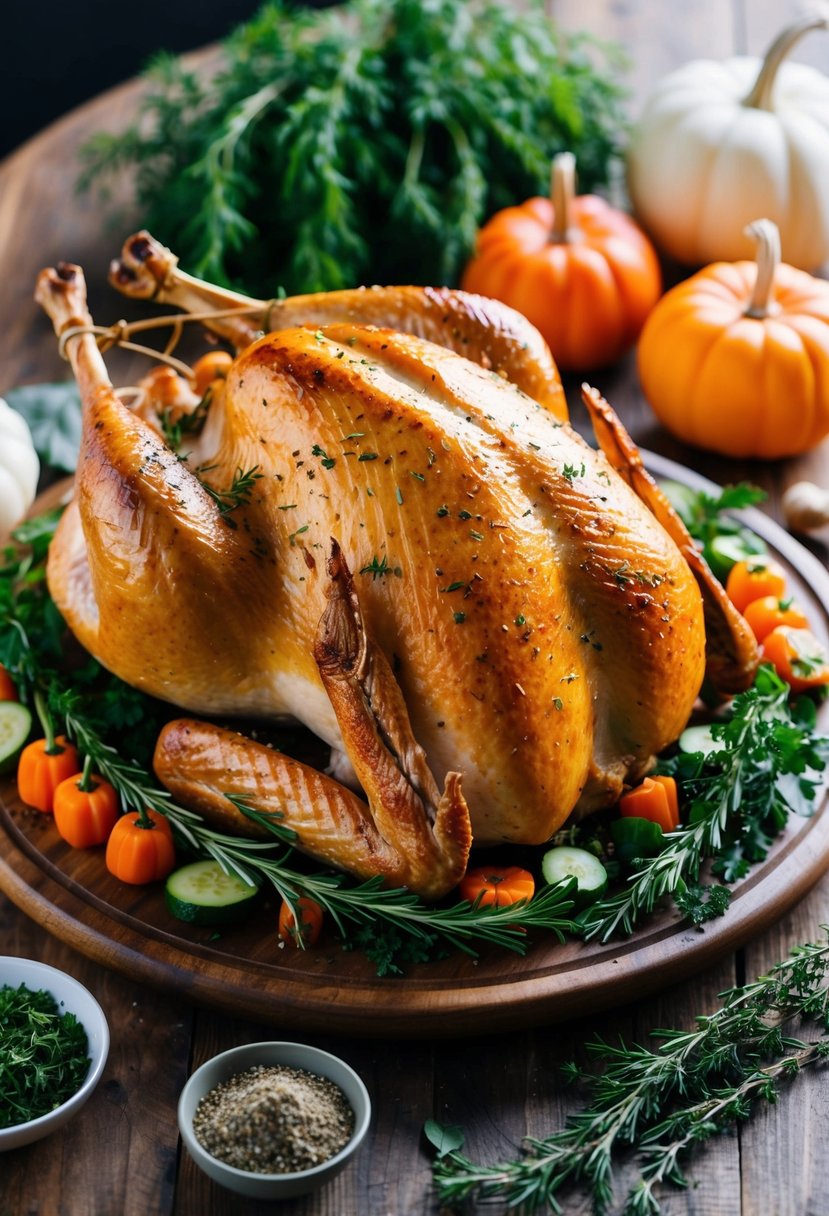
(70, 893)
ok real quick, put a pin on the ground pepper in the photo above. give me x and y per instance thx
(272, 1119)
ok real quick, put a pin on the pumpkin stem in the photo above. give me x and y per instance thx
(53, 748)
(766, 234)
(562, 193)
(86, 785)
(760, 95)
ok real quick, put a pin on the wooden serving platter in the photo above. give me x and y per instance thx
(245, 972)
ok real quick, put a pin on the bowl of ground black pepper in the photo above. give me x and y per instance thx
(273, 1120)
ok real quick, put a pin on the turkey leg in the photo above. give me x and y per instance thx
(485, 331)
(140, 533)
(731, 649)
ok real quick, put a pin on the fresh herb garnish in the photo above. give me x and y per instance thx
(327, 461)
(44, 1056)
(377, 567)
(738, 798)
(381, 132)
(175, 429)
(663, 1100)
(239, 493)
(721, 536)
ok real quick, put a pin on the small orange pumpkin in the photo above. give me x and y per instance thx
(798, 658)
(496, 885)
(140, 847)
(736, 358)
(85, 808)
(582, 271)
(311, 918)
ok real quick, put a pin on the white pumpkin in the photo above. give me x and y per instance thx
(719, 143)
(19, 469)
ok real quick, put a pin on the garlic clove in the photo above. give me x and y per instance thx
(805, 506)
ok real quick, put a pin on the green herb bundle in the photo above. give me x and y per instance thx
(364, 143)
(663, 1100)
(43, 1055)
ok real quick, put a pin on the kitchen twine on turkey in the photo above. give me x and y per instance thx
(119, 333)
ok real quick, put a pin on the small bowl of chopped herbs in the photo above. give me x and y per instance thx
(273, 1120)
(54, 1042)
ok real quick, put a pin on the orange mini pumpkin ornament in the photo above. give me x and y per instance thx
(736, 358)
(582, 271)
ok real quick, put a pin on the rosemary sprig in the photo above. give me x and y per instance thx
(662, 1100)
(740, 798)
(462, 925)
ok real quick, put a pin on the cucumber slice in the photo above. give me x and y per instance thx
(699, 739)
(565, 861)
(726, 550)
(15, 724)
(682, 498)
(203, 894)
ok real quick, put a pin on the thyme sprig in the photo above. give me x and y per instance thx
(238, 493)
(662, 1100)
(769, 764)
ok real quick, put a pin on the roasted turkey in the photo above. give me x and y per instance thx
(387, 530)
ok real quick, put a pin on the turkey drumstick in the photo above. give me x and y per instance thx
(485, 331)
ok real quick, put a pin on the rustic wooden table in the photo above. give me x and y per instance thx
(123, 1155)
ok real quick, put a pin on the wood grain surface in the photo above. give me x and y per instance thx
(122, 1158)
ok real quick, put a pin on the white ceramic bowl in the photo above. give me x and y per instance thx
(71, 997)
(292, 1055)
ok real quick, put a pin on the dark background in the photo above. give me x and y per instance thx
(56, 55)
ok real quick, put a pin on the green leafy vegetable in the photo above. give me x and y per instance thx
(53, 412)
(723, 538)
(364, 143)
(43, 1055)
(663, 1100)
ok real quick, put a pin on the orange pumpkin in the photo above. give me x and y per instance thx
(140, 847)
(736, 358)
(769, 612)
(498, 885)
(311, 917)
(85, 808)
(798, 658)
(579, 269)
(754, 578)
